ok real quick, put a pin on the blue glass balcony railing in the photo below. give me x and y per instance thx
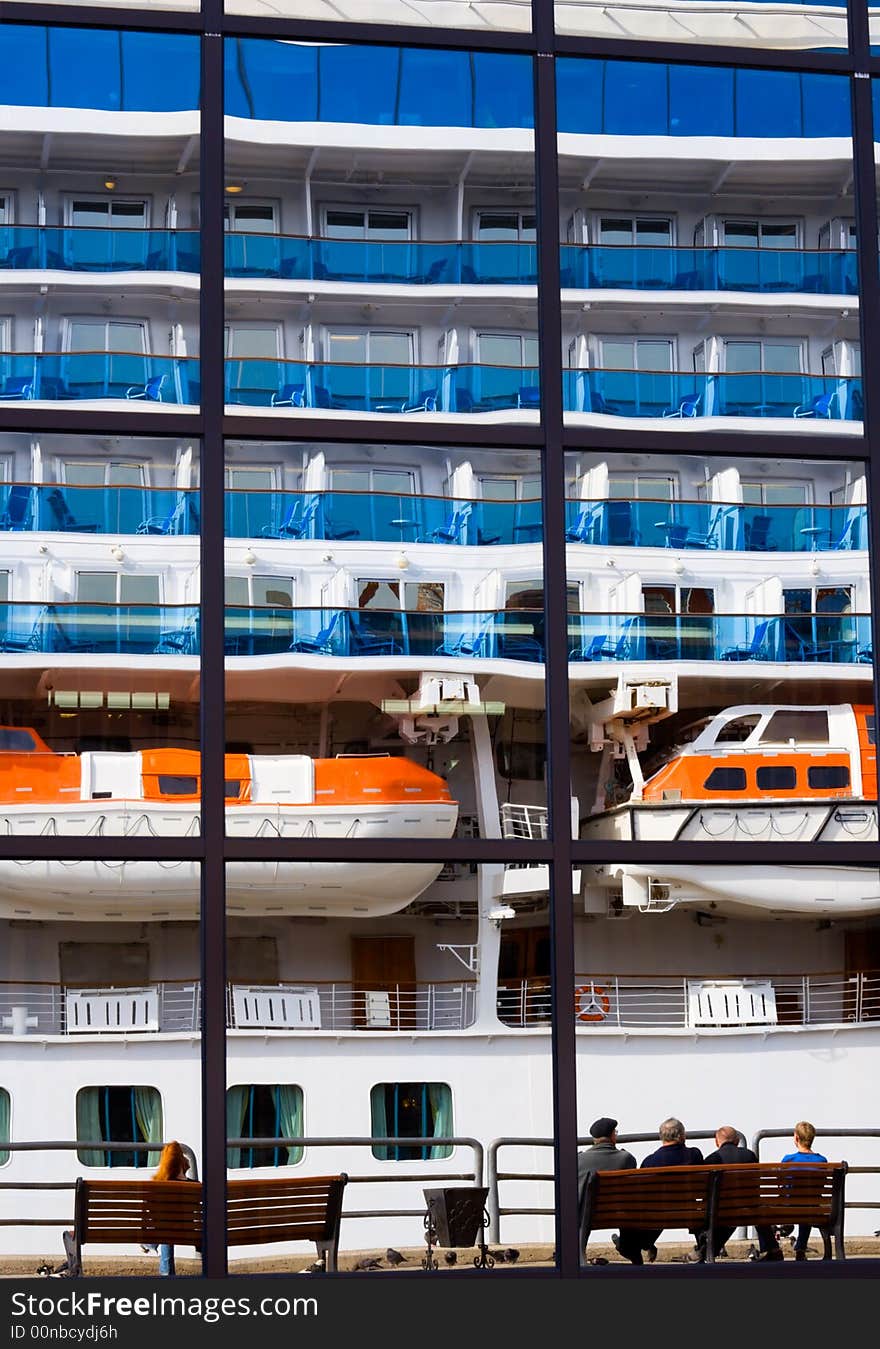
(380, 517)
(767, 270)
(839, 639)
(389, 389)
(86, 249)
(66, 508)
(661, 393)
(506, 634)
(398, 261)
(99, 629)
(71, 375)
(722, 525)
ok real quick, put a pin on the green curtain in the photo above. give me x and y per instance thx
(88, 1125)
(148, 1113)
(378, 1120)
(236, 1109)
(440, 1101)
(290, 1119)
(4, 1123)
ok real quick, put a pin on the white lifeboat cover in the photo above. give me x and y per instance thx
(283, 777)
(106, 774)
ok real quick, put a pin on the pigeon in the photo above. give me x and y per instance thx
(497, 1256)
(394, 1257)
(597, 1260)
(368, 1263)
(752, 1253)
(511, 1256)
(450, 1257)
(316, 1268)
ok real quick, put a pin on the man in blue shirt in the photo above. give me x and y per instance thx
(804, 1133)
(673, 1151)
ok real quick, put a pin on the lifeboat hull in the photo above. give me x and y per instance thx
(95, 890)
(751, 891)
(779, 822)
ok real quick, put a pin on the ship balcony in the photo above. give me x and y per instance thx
(765, 271)
(681, 397)
(73, 628)
(418, 262)
(174, 1008)
(72, 248)
(138, 378)
(384, 517)
(699, 1002)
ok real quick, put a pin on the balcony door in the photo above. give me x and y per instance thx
(105, 357)
(110, 495)
(383, 981)
(104, 234)
(524, 977)
(370, 368)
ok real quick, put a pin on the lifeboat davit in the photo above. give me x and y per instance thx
(156, 794)
(757, 773)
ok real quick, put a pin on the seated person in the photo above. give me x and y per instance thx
(673, 1151)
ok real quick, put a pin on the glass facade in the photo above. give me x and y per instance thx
(437, 481)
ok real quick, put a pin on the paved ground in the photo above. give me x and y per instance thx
(530, 1256)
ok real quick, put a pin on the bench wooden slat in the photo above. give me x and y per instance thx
(296, 1208)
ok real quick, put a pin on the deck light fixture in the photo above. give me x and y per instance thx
(110, 183)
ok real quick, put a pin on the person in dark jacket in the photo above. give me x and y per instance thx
(729, 1153)
(673, 1151)
(603, 1155)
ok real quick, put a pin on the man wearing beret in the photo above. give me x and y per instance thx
(604, 1155)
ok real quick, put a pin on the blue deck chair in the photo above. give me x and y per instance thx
(454, 529)
(425, 402)
(182, 641)
(848, 535)
(18, 386)
(865, 655)
(19, 508)
(468, 643)
(620, 531)
(298, 522)
(319, 645)
(164, 524)
(582, 529)
(689, 406)
(363, 642)
(289, 396)
(17, 639)
(820, 406)
(529, 396)
(805, 649)
(598, 403)
(758, 537)
(520, 646)
(753, 650)
(62, 517)
(151, 390)
(602, 647)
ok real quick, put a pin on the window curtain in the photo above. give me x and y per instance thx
(4, 1124)
(88, 1125)
(148, 1113)
(236, 1108)
(290, 1119)
(379, 1121)
(440, 1101)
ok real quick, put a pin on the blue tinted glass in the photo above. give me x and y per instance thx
(436, 89)
(700, 101)
(84, 69)
(358, 84)
(23, 54)
(826, 106)
(275, 81)
(768, 103)
(636, 99)
(579, 95)
(502, 90)
(160, 72)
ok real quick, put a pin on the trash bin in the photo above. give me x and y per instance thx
(456, 1214)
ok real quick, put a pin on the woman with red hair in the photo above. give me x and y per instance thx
(172, 1166)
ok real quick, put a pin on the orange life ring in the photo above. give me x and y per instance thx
(591, 1002)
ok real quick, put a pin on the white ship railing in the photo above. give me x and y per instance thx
(519, 821)
(700, 1001)
(175, 1007)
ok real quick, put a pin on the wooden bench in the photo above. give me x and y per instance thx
(703, 1197)
(169, 1212)
(156, 1212)
(297, 1208)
